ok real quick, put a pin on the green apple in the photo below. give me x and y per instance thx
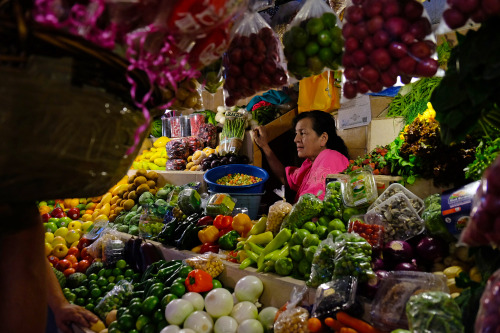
(64, 221)
(50, 227)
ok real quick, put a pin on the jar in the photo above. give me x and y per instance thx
(185, 126)
(175, 127)
(196, 120)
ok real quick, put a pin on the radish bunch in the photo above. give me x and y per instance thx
(385, 39)
(460, 11)
(252, 64)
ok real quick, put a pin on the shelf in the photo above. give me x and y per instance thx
(177, 177)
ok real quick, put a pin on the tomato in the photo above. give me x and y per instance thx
(53, 260)
(82, 266)
(63, 264)
(149, 305)
(71, 258)
(67, 272)
(46, 217)
(74, 251)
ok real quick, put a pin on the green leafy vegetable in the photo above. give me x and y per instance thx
(265, 114)
(486, 153)
(444, 52)
(234, 127)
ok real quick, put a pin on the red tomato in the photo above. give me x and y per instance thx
(82, 266)
(84, 253)
(74, 213)
(63, 264)
(53, 260)
(74, 251)
(67, 272)
(46, 217)
(84, 242)
(71, 258)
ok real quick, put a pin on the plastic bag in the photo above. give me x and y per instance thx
(220, 204)
(318, 92)
(114, 299)
(433, 218)
(188, 96)
(384, 40)
(294, 318)
(313, 41)
(112, 251)
(353, 257)
(456, 14)
(434, 311)
(178, 148)
(194, 143)
(416, 202)
(151, 220)
(332, 202)
(189, 201)
(95, 249)
(208, 135)
(487, 319)
(388, 307)
(254, 60)
(307, 207)
(359, 188)
(277, 212)
(323, 264)
(209, 262)
(175, 164)
(233, 132)
(400, 219)
(211, 77)
(334, 296)
(484, 226)
(370, 227)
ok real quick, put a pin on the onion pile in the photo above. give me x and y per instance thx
(460, 11)
(252, 64)
(384, 39)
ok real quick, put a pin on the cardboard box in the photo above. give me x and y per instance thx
(383, 131)
(379, 105)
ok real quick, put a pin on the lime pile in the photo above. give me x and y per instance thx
(312, 45)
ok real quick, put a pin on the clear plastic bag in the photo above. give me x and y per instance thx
(188, 96)
(175, 164)
(353, 257)
(211, 77)
(332, 202)
(114, 299)
(178, 148)
(401, 220)
(370, 227)
(112, 251)
(189, 201)
(307, 207)
(384, 40)
(220, 204)
(483, 227)
(456, 14)
(277, 212)
(435, 311)
(323, 263)
(151, 220)
(487, 319)
(334, 296)
(359, 188)
(388, 307)
(209, 262)
(194, 143)
(208, 135)
(313, 41)
(253, 61)
(416, 202)
(294, 318)
(96, 248)
(233, 132)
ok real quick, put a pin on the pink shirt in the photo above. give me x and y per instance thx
(310, 177)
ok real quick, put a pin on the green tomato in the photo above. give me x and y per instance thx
(297, 253)
(335, 233)
(178, 289)
(322, 232)
(310, 240)
(304, 267)
(283, 266)
(323, 220)
(309, 253)
(216, 284)
(336, 224)
(310, 226)
(298, 236)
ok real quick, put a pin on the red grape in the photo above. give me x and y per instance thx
(369, 74)
(354, 14)
(360, 31)
(350, 90)
(420, 28)
(363, 87)
(375, 24)
(380, 59)
(478, 16)
(347, 60)
(396, 26)
(391, 8)
(427, 67)
(376, 87)
(407, 65)
(420, 50)
(347, 30)
(491, 7)
(373, 8)
(359, 58)
(387, 79)
(351, 73)
(351, 44)
(381, 38)
(398, 50)
(368, 45)
(465, 6)
(454, 18)
(413, 10)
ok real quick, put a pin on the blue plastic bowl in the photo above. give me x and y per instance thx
(212, 175)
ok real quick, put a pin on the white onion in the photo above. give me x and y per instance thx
(248, 288)
(225, 324)
(219, 302)
(243, 311)
(195, 299)
(266, 317)
(186, 330)
(200, 322)
(250, 326)
(171, 329)
(177, 311)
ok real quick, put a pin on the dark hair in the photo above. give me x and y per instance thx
(323, 122)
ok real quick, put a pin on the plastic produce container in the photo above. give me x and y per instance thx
(212, 175)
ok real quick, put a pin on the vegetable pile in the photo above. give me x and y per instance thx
(238, 179)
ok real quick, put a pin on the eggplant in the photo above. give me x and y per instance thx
(136, 253)
(128, 252)
(234, 160)
(215, 163)
(149, 255)
(407, 266)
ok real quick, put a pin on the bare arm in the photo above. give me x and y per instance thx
(65, 312)
(260, 138)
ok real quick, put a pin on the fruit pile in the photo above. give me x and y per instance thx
(312, 45)
(460, 11)
(154, 158)
(187, 95)
(384, 39)
(252, 64)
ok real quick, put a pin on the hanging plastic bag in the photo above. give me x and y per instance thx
(318, 92)
(294, 318)
(114, 299)
(211, 77)
(313, 41)
(254, 60)
(323, 263)
(384, 40)
(233, 132)
(456, 14)
(487, 319)
(277, 212)
(188, 96)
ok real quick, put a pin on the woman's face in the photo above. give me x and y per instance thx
(309, 144)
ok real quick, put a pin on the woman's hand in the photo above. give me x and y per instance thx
(259, 135)
(68, 314)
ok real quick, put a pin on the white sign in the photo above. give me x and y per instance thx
(355, 112)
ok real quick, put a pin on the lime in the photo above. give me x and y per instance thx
(126, 322)
(102, 281)
(336, 224)
(116, 271)
(93, 277)
(159, 315)
(168, 298)
(149, 328)
(135, 309)
(315, 64)
(71, 297)
(113, 327)
(119, 277)
(90, 307)
(149, 305)
(121, 264)
(141, 322)
(101, 272)
(110, 286)
(323, 220)
(304, 266)
(80, 301)
(216, 284)
(314, 26)
(178, 289)
(107, 272)
(310, 226)
(324, 38)
(112, 278)
(128, 273)
(299, 37)
(326, 55)
(299, 58)
(287, 39)
(95, 293)
(337, 46)
(336, 34)
(329, 20)
(311, 48)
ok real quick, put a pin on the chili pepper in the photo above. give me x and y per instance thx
(254, 247)
(259, 227)
(229, 240)
(245, 263)
(223, 222)
(281, 238)
(209, 234)
(282, 253)
(263, 238)
(233, 256)
(252, 255)
(198, 281)
(209, 247)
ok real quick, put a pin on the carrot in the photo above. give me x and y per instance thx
(314, 325)
(359, 325)
(347, 330)
(333, 324)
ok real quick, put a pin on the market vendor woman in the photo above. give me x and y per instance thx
(317, 141)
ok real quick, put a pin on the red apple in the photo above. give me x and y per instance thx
(46, 217)
(74, 213)
(83, 265)
(63, 264)
(53, 260)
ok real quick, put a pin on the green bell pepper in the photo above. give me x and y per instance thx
(229, 240)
